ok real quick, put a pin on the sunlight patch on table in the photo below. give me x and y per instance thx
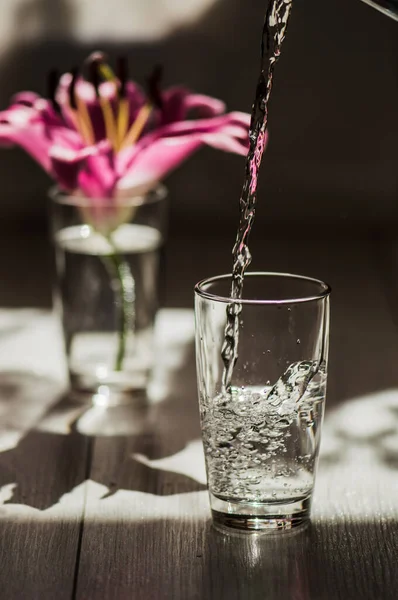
(190, 462)
(358, 471)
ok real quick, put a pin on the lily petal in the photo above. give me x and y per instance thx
(125, 158)
(88, 167)
(156, 154)
(71, 143)
(181, 128)
(65, 166)
(222, 140)
(205, 105)
(157, 160)
(97, 178)
(178, 102)
(25, 98)
(45, 112)
(17, 128)
(174, 105)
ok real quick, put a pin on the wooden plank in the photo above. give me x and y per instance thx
(40, 524)
(147, 532)
(175, 558)
(42, 465)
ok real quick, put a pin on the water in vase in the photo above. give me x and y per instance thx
(90, 301)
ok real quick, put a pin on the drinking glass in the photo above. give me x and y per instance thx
(388, 7)
(261, 430)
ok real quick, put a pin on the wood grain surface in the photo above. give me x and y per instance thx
(41, 513)
(112, 504)
(163, 546)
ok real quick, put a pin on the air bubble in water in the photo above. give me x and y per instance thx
(257, 441)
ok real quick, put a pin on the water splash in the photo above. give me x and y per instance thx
(261, 444)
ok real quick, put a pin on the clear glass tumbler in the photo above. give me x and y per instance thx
(261, 433)
(107, 259)
(388, 7)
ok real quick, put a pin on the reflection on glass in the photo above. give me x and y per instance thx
(388, 7)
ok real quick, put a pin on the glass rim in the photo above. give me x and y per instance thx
(325, 289)
(152, 196)
(383, 9)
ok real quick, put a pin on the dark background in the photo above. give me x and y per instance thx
(331, 166)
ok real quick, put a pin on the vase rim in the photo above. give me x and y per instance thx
(135, 197)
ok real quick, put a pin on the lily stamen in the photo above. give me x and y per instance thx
(154, 100)
(106, 72)
(138, 126)
(124, 106)
(97, 64)
(84, 120)
(122, 121)
(109, 120)
(79, 112)
(107, 112)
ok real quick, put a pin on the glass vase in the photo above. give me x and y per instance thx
(107, 263)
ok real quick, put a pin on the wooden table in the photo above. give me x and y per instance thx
(98, 504)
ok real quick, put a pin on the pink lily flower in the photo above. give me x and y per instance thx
(104, 138)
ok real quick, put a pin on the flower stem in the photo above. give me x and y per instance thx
(124, 287)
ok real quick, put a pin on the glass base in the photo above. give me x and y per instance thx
(113, 390)
(260, 517)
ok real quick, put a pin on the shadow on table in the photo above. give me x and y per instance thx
(54, 456)
(150, 448)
